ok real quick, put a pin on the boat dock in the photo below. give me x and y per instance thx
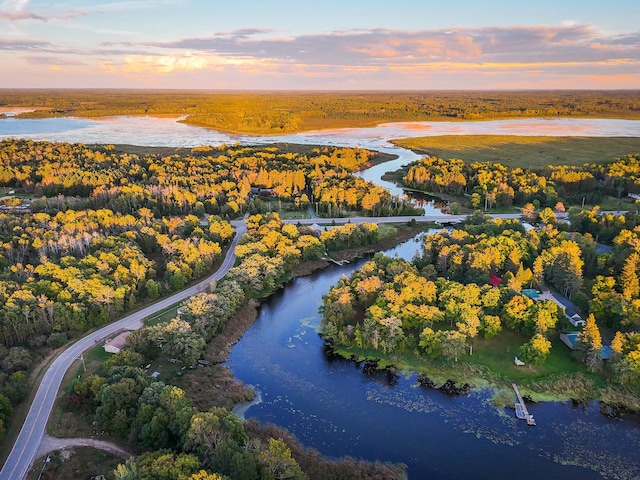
(521, 409)
(338, 262)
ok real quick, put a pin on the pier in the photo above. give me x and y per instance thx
(521, 409)
(338, 262)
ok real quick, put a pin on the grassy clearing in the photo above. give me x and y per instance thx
(492, 365)
(78, 423)
(77, 463)
(614, 203)
(525, 152)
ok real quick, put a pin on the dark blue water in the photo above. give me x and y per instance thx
(332, 405)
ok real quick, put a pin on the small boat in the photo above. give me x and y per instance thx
(520, 413)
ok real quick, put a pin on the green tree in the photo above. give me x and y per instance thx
(453, 343)
(430, 341)
(276, 462)
(490, 326)
(209, 429)
(234, 461)
(166, 465)
(536, 350)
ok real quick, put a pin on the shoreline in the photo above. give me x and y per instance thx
(183, 118)
(230, 390)
(613, 402)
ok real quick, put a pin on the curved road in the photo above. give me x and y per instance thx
(28, 442)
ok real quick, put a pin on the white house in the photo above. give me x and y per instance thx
(576, 320)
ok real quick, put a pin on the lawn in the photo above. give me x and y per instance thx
(497, 354)
(524, 151)
(492, 365)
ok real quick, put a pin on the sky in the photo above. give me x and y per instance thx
(320, 44)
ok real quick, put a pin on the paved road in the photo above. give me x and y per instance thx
(28, 442)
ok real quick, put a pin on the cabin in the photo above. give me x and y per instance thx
(114, 345)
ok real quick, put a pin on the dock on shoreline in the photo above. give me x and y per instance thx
(521, 409)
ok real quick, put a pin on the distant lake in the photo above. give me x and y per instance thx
(154, 131)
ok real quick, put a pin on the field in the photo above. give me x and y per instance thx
(265, 113)
(524, 152)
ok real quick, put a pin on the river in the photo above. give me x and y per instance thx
(334, 405)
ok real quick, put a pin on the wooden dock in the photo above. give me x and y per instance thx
(338, 262)
(521, 408)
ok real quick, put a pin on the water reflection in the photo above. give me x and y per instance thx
(346, 408)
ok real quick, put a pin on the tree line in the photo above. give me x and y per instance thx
(490, 184)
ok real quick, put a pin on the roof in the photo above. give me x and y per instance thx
(531, 293)
(569, 338)
(118, 341)
(495, 280)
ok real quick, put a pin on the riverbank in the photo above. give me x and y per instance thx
(217, 386)
(460, 377)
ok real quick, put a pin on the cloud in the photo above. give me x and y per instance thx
(570, 42)
(45, 60)
(14, 5)
(15, 10)
(11, 44)
(163, 63)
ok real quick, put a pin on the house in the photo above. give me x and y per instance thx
(114, 345)
(495, 280)
(570, 339)
(531, 293)
(575, 319)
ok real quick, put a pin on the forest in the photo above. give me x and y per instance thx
(290, 112)
(468, 287)
(224, 181)
(88, 233)
(488, 185)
